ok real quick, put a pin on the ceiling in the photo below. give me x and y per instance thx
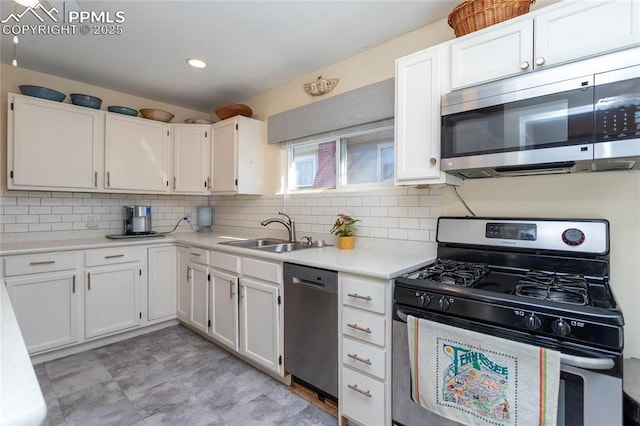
(250, 46)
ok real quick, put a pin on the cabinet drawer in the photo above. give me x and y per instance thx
(364, 293)
(363, 357)
(198, 255)
(268, 271)
(363, 326)
(41, 262)
(363, 398)
(225, 261)
(111, 256)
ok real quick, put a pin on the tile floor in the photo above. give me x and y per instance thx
(169, 377)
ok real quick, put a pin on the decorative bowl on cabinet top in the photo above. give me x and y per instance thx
(229, 111)
(42, 92)
(85, 100)
(123, 110)
(156, 114)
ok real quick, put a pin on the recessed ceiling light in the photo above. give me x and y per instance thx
(196, 63)
(27, 3)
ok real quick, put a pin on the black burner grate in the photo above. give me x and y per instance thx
(558, 287)
(454, 273)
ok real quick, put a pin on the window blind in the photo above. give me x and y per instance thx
(345, 113)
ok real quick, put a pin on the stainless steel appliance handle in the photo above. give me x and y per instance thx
(296, 280)
(587, 363)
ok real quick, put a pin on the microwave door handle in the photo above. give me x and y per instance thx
(587, 363)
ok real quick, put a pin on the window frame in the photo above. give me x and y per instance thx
(340, 139)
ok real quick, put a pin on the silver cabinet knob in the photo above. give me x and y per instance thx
(540, 61)
(524, 65)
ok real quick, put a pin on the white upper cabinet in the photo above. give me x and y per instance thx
(136, 154)
(491, 55)
(237, 156)
(191, 153)
(585, 28)
(565, 32)
(53, 146)
(418, 89)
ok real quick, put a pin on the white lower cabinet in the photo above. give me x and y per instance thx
(260, 323)
(112, 299)
(365, 350)
(224, 308)
(45, 290)
(46, 306)
(199, 306)
(363, 399)
(161, 282)
(183, 308)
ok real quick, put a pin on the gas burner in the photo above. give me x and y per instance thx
(454, 273)
(558, 287)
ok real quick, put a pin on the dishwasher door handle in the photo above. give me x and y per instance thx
(302, 281)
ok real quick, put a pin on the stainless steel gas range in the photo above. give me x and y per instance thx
(537, 281)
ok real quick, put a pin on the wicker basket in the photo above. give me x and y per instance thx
(473, 15)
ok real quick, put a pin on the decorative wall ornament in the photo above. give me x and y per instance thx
(321, 86)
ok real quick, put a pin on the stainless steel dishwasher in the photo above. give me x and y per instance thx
(311, 327)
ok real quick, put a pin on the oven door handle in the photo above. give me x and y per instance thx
(587, 363)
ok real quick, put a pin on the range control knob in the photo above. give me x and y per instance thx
(532, 322)
(444, 303)
(573, 237)
(561, 328)
(425, 299)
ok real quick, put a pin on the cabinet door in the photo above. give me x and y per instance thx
(46, 307)
(491, 55)
(199, 283)
(586, 28)
(53, 145)
(191, 148)
(112, 299)
(161, 282)
(224, 308)
(136, 154)
(184, 289)
(418, 119)
(260, 323)
(224, 157)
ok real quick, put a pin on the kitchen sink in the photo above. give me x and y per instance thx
(258, 243)
(271, 245)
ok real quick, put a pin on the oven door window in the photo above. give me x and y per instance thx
(571, 400)
(557, 119)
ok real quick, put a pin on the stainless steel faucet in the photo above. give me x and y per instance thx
(290, 224)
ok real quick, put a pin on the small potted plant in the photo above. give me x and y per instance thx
(343, 228)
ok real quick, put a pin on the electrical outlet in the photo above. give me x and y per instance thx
(188, 217)
(93, 222)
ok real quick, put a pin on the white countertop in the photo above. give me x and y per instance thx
(371, 262)
(21, 401)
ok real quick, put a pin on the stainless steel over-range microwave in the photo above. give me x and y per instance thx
(584, 116)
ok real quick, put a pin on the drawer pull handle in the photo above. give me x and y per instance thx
(113, 256)
(357, 327)
(195, 254)
(231, 289)
(358, 296)
(73, 284)
(357, 389)
(88, 280)
(357, 358)
(43, 262)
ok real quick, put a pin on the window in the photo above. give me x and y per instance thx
(361, 158)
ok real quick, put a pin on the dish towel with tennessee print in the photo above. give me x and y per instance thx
(478, 379)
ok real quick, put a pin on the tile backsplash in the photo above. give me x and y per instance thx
(396, 218)
(35, 215)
